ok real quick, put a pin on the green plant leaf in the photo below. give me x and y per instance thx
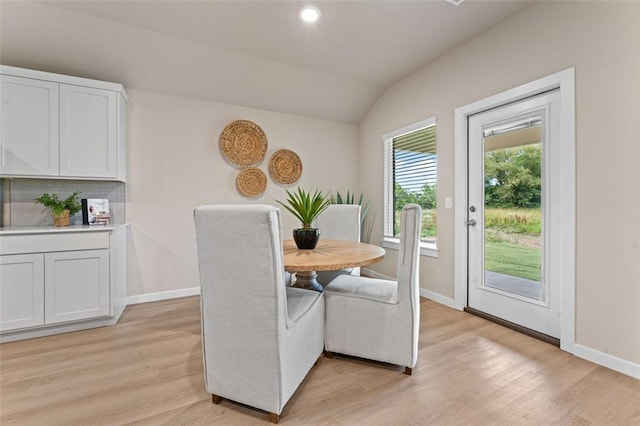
(56, 206)
(306, 206)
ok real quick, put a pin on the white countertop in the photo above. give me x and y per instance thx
(18, 230)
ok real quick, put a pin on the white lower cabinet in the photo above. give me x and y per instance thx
(77, 285)
(58, 282)
(21, 291)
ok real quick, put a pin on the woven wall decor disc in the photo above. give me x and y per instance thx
(243, 143)
(285, 166)
(251, 182)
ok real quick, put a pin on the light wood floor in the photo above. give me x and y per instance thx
(147, 370)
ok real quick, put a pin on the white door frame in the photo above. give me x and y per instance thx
(565, 81)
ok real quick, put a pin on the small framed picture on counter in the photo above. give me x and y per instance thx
(95, 211)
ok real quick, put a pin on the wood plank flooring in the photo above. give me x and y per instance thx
(147, 370)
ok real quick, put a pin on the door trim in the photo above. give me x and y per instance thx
(565, 81)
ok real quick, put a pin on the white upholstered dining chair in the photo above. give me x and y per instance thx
(259, 338)
(379, 319)
(339, 222)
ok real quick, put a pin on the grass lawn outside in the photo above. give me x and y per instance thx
(510, 259)
(512, 240)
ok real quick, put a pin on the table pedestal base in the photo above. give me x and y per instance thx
(307, 279)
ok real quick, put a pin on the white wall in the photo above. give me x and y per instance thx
(601, 39)
(175, 164)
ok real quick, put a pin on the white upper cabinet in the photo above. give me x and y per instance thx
(61, 126)
(88, 136)
(29, 144)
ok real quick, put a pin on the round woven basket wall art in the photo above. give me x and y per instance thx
(285, 166)
(243, 143)
(251, 182)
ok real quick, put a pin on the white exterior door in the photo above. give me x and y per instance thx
(77, 285)
(88, 132)
(515, 281)
(29, 128)
(21, 291)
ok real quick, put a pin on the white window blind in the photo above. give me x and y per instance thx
(411, 176)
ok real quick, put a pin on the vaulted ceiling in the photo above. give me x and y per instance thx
(251, 53)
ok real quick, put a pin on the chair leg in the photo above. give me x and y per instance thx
(216, 399)
(328, 354)
(408, 371)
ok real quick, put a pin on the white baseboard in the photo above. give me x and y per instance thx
(162, 295)
(50, 330)
(443, 300)
(617, 364)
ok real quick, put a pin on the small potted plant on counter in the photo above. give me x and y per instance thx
(61, 210)
(306, 207)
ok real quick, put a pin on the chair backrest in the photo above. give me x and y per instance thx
(243, 298)
(408, 270)
(340, 222)
(409, 253)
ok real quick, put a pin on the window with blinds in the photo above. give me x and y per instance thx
(411, 176)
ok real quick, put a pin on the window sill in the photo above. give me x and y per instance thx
(426, 249)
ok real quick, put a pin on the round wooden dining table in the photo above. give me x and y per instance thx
(329, 255)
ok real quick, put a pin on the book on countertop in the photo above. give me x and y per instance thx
(95, 211)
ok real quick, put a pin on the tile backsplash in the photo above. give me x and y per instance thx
(19, 209)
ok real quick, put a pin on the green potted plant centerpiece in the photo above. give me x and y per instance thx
(306, 207)
(61, 210)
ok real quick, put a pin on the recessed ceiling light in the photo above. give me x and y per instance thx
(309, 14)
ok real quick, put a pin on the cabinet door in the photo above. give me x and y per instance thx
(88, 132)
(77, 285)
(29, 127)
(21, 291)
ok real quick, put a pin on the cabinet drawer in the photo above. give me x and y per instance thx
(17, 244)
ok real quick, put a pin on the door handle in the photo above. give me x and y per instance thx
(471, 222)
